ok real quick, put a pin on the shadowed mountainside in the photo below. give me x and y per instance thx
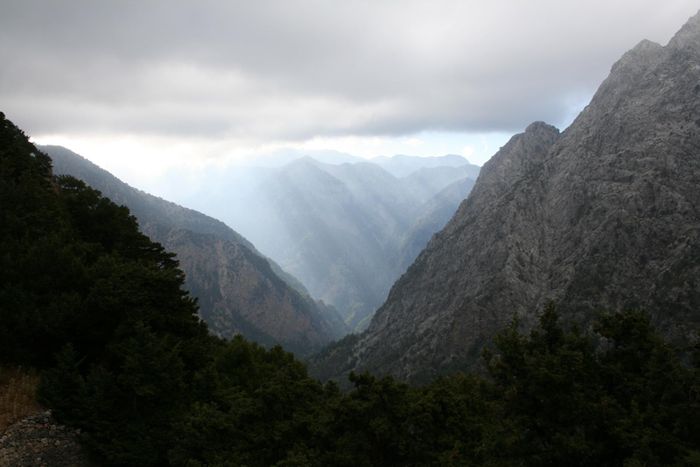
(239, 290)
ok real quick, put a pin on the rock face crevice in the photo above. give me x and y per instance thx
(603, 216)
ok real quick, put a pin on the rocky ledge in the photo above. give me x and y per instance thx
(38, 441)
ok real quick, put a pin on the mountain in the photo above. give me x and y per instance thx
(339, 228)
(95, 325)
(402, 166)
(239, 290)
(332, 227)
(433, 216)
(603, 216)
(426, 183)
(281, 157)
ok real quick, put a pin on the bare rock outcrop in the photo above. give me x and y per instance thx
(38, 441)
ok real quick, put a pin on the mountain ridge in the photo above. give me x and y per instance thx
(602, 216)
(230, 291)
(401, 165)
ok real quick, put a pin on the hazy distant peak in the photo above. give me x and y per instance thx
(304, 173)
(456, 158)
(303, 160)
(332, 157)
(366, 166)
(448, 158)
(402, 165)
(281, 157)
(306, 166)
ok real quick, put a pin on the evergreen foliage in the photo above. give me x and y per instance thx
(100, 309)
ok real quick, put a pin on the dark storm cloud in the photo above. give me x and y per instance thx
(290, 70)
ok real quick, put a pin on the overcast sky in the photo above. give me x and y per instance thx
(140, 86)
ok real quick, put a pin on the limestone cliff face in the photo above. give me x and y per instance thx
(239, 291)
(605, 215)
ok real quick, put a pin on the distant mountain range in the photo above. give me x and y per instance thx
(239, 290)
(281, 157)
(602, 216)
(403, 166)
(346, 230)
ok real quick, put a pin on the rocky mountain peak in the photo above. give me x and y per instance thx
(522, 153)
(539, 128)
(639, 57)
(688, 37)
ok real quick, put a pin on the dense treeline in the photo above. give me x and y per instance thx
(100, 310)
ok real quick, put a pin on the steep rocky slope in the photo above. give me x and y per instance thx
(605, 215)
(239, 291)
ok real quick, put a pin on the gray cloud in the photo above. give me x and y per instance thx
(291, 70)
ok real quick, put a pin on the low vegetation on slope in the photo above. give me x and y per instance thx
(100, 310)
(17, 395)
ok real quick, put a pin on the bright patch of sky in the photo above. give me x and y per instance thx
(143, 162)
